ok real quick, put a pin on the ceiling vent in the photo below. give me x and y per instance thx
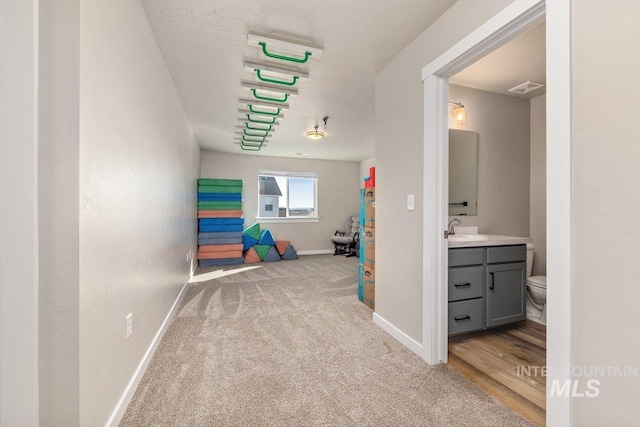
(526, 87)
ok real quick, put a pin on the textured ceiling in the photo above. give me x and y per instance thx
(520, 60)
(205, 44)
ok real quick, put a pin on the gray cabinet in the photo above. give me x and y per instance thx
(505, 295)
(466, 316)
(487, 287)
(466, 283)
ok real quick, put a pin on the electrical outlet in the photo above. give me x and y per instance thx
(129, 325)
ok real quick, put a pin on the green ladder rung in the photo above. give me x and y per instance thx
(279, 82)
(307, 54)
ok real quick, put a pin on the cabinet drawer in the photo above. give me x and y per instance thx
(466, 256)
(466, 282)
(466, 316)
(514, 253)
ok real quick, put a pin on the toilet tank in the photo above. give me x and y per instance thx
(530, 249)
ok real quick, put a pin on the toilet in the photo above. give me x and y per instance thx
(536, 292)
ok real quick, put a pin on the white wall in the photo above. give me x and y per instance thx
(538, 187)
(18, 219)
(338, 195)
(606, 199)
(399, 163)
(58, 214)
(138, 169)
(364, 169)
(502, 124)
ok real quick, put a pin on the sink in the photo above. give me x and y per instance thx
(468, 237)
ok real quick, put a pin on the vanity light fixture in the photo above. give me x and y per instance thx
(459, 112)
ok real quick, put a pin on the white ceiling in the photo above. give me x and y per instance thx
(521, 59)
(205, 44)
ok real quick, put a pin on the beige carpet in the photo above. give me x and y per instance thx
(289, 344)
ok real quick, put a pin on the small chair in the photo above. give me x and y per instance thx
(346, 241)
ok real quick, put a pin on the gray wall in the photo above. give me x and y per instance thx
(606, 198)
(539, 184)
(338, 195)
(502, 124)
(399, 163)
(138, 169)
(58, 196)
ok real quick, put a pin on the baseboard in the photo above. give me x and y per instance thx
(124, 401)
(400, 336)
(316, 252)
(194, 267)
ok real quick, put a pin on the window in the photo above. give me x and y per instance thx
(287, 195)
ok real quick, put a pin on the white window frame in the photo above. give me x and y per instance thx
(273, 220)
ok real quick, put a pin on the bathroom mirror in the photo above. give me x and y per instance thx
(463, 172)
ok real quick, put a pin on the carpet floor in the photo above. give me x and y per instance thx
(289, 344)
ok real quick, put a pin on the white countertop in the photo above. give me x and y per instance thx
(486, 240)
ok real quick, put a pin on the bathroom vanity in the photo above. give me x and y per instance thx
(487, 281)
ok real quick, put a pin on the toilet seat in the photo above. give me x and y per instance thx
(537, 281)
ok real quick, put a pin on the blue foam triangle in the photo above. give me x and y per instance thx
(248, 241)
(266, 238)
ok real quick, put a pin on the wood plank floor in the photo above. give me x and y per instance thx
(491, 359)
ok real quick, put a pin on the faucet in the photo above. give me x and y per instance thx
(454, 221)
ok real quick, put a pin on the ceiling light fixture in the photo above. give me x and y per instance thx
(317, 134)
(459, 112)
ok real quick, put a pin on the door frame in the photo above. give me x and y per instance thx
(19, 212)
(513, 20)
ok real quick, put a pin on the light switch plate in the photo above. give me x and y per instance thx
(411, 202)
(129, 325)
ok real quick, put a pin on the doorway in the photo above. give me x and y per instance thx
(516, 18)
(497, 336)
